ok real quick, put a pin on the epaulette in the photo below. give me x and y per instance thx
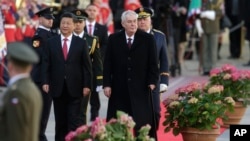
(155, 30)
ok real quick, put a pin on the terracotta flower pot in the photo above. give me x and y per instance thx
(235, 116)
(193, 134)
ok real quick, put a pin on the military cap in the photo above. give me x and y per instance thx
(80, 14)
(46, 13)
(144, 12)
(21, 52)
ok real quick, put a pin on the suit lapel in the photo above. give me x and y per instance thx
(123, 41)
(59, 46)
(71, 48)
(135, 42)
(95, 29)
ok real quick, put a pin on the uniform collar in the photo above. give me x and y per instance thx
(43, 27)
(80, 35)
(17, 77)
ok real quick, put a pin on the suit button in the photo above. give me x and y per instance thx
(129, 79)
(65, 77)
(129, 69)
(129, 58)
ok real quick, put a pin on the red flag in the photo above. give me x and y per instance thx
(132, 4)
(105, 17)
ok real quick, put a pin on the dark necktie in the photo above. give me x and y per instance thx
(65, 48)
(129, 42)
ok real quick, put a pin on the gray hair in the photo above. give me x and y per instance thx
(128, 13)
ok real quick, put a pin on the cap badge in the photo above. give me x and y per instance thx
(78, 13)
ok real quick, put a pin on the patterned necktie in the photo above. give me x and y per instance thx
(90, 29)
(129, 42)
(65, 48)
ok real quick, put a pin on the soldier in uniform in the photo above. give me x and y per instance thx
(38, 42)
(21, 105)
(145, 24)
(95, 55)
(211, 13)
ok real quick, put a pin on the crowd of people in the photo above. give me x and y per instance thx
(126, 48)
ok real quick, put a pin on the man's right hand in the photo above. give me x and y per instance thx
(107, 91)
(46, 88)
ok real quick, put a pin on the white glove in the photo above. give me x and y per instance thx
(98, 88)
(163, 88)
(198, 27)
(209, 14)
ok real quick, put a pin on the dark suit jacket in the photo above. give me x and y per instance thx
(20, 111)
(129, 72)
(101, 32)
(76, 71)
(241, 9)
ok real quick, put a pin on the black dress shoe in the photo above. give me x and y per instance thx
(205, 73)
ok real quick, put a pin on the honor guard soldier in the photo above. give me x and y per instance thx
(145, 24)
(21, 104)
(39, 42)
(95, 55)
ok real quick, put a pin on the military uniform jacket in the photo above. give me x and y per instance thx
(38, 43)
(101, 32)
(20, 111)
(211, 26)
(162, 56)
(95, 56)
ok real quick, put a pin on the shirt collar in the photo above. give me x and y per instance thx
(132, 37)
(93, 23)
(69, 38)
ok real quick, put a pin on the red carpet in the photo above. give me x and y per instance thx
(169, 136)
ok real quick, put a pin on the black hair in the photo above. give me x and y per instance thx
(68, 15)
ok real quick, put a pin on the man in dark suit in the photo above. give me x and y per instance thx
(130, 72)
(21, 104)
(68, 74)
(95, 55)
(145, 24)
(38, 42)
(96, 29)
(234, 11)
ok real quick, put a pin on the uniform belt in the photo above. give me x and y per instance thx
(13, 26)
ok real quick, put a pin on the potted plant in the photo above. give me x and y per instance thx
(120, 129)
(196, 107)
(236, 84)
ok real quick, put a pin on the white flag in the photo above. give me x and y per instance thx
(3, 43)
